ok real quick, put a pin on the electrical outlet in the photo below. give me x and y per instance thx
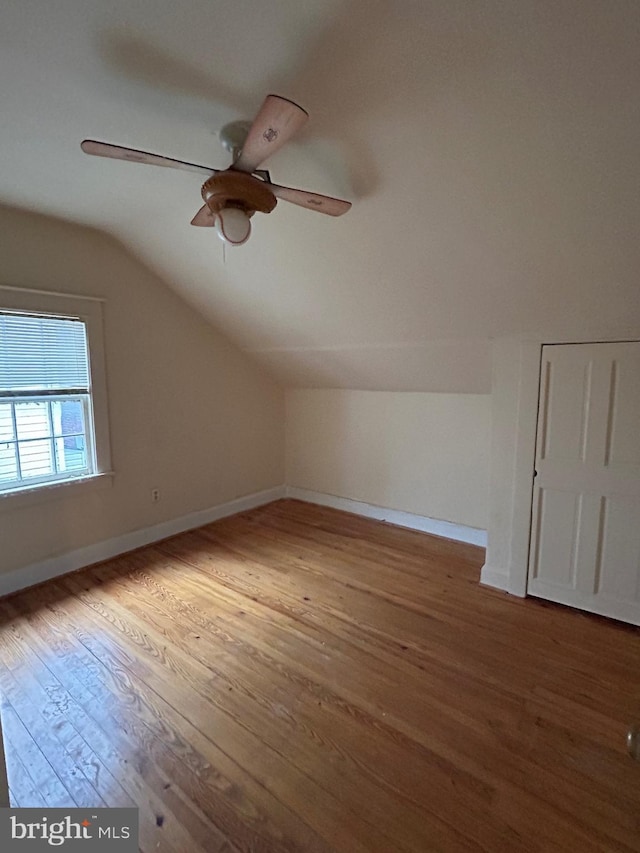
(155, 495)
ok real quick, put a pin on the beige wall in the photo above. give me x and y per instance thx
(417, 452)
(189, 413)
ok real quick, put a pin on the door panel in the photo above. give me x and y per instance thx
(567, 387)
(623, 447)
(619, 563)
(554, 559)
(585, 534)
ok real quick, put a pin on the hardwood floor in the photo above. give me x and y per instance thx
(299, 679)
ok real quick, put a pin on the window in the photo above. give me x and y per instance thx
(49, 431)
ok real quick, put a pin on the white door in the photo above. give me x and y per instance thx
(585, 529)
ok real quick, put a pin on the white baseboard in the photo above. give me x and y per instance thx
(447, 529)
(61, 565)
(495, 578)
(65, 563)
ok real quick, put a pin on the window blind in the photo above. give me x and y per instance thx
(42, 354)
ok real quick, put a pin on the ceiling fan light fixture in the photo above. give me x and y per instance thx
(233, 226)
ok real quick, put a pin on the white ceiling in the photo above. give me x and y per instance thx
(491, 150)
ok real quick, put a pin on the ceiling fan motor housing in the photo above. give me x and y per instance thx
(237, 189)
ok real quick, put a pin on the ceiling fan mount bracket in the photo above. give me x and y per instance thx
(233, 136)
(237, 189)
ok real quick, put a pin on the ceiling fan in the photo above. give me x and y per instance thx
(231, 196)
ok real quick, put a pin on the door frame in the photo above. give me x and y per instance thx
(515, 392)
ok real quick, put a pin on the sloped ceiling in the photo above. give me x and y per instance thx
(491, 150)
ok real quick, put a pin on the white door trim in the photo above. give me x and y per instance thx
(583, 540)
(514, 392)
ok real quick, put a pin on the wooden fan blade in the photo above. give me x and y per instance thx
(277, 121)
(313, 201)
(117, 152)
(204, 217)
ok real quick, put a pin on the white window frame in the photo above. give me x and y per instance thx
(90, 311)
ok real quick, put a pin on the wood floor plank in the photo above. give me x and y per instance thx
(41, 772)
(546, 786)
(138, 774)
(339, 729)
(329, 702)
(295, 678)
(22, 780)
(58, 708)
(158, 775)
(212, 779)
(273, 753)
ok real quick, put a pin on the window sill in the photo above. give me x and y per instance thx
(55, 491)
